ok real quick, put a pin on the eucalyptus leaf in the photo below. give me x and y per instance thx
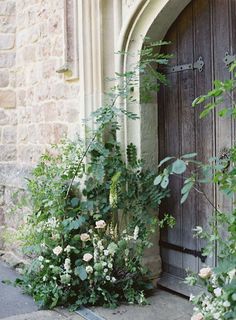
(179, 166)
(81, 272)
(164, 160)
(165, 182)
(189, 155)
(158, 179)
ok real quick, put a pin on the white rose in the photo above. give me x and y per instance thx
(57, 250)
(197, 316)
(85, 237)
(205, 273)
(106, 252)
(217, 292)
(89, 269)
(100, 224)
(87, 257)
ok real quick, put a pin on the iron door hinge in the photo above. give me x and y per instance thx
(194, 253)
(229, 58)
(199, 64)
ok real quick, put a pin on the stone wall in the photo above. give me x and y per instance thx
(38, 106)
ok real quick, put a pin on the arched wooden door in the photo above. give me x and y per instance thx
(204, 32)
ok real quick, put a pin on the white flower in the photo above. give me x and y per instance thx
(68, 249)
(226, 304)
(100, 224)
(57, 250)
(191, 297)
(105, 270)
(197, 316)
(113, 279)
(198, 230)
(87, 257)
(110, 265)
(67, 264)
(108, 278)
(89, 269)
(217, 292)
(84, 237)
(205, 273)
(136, 232)
(106, 252)
(217, 315)
(44, 278)
(40, 258)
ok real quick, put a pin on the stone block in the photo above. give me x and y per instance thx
(7, 24)
(29, 54)
(7, 60)
(33, 134)
(7, 8)
(7, 99)
(9, 135)
(7, 41)
(59, 132)
(22, 134)
(24, 115)
(25, 153)
(8, 153)
(21, 98)
(4, 119)
(4, 78)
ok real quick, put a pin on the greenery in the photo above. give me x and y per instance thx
(218, 300)
(92, 210)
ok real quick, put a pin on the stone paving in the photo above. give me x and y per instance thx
(14, 305)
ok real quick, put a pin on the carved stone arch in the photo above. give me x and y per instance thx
(150, 18)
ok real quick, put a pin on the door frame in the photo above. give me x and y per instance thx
(149, 18)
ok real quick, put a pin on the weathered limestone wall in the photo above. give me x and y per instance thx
(38, 106)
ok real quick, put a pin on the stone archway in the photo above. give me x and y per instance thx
(149, 18)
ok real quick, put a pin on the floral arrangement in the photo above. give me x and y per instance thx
(219, 300)
(87, 244)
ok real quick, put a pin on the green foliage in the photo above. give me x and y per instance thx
(92, 212)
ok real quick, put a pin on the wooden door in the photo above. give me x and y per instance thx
(206, 29)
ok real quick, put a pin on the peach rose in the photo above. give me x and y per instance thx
(197, 316)
(85, 237)
(100, 224)
(205, 273)
(87, 257)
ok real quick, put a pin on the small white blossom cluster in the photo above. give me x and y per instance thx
(214, 304)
